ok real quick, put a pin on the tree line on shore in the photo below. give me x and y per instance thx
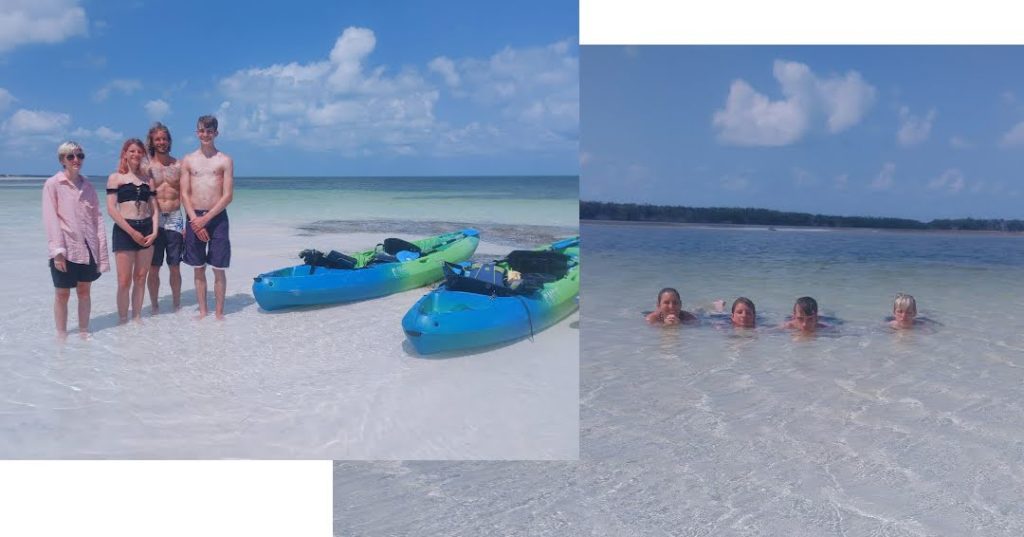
(632, 212)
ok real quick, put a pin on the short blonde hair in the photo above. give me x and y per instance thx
(67, 148)
(904, 301)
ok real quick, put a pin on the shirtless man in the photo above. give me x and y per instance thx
(165, 172)
(207, 187)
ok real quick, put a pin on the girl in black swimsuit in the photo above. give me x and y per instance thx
(131, 202)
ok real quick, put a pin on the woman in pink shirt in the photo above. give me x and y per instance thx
(74, 236)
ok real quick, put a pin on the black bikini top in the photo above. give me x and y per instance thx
(131, 192)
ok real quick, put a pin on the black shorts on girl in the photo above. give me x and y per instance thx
(122, 241)
(75, 273)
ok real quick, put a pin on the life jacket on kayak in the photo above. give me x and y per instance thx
(534, 268)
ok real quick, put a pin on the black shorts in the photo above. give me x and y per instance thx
(76, 272)
(122, 241)
(170, 241)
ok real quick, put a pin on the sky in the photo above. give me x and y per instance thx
(309, 88)
(911, 132)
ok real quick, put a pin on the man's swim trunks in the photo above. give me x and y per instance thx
(217, 252)
(169, 239)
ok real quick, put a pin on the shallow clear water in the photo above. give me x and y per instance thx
(333, 382)
(706, 431)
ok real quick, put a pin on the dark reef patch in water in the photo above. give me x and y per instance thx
(517, 236)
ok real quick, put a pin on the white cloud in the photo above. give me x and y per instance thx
(538, 86)
(157, 109)
(802, 178)
(951, 180)
(36, 122)
(884, 179)
(6, 99)
(846, 100)
(841, 182)
(102, 133)
(752, 118)
(28, 130)
(735, 183)
(446, 68)
(959, 142)
(121, 85)
(1014, 136)
(913, 129)
(34, 21)
(524, 98)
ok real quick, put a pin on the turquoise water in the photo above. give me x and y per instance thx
(702, 430)
(861, 431)
(335, 382)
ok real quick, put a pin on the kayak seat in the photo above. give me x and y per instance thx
(482, 279)
(393, 246)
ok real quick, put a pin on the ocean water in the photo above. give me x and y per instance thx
(698, 430)
(332, 382)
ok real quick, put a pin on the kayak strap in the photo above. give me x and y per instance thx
(529, 318)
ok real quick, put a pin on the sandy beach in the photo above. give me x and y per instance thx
(337, 382)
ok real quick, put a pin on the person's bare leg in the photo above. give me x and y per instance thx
(175, 285)
(124, 261)
(201, 291)
(153, 283)
(140, 272)
(60, 311)
(220, 286)
(84, 307)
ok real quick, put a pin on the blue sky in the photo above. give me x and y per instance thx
(916, 132)
(300, 88)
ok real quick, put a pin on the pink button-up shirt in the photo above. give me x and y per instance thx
(74, 225)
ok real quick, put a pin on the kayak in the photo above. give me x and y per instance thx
(486, 304)
(392, 266)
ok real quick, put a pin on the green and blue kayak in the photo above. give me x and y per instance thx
(486, 304)
(393, 266)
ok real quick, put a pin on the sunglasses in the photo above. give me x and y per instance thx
(73, 156)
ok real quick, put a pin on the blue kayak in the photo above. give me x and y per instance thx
(393, 266)
(486, 304)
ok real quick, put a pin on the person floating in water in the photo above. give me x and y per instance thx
(805, 316)
(670, 310)
(743, 313)
(904, 311)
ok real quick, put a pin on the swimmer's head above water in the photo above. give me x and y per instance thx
(805, 315)
(904, 310)
(670, 309)
(743, 312)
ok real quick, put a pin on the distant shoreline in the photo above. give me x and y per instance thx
(748, 217)
(811, 229)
